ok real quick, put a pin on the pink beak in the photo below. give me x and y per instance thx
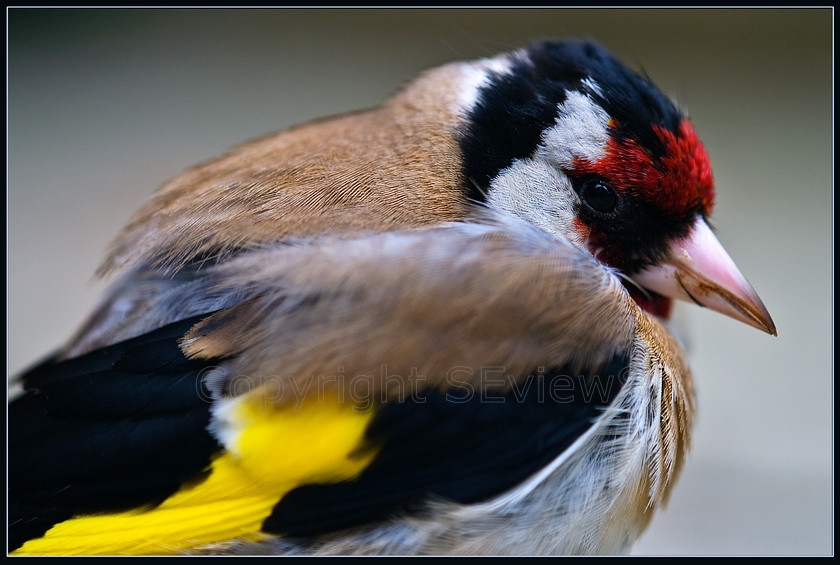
(699, 270)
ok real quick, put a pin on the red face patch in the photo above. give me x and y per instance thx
(675, 183)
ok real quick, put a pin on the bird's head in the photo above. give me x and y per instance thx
(568, 138)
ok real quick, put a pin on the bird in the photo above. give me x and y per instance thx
(438, 326)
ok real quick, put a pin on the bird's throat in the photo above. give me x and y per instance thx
(651, 302)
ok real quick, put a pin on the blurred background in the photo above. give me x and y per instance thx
(104, 105)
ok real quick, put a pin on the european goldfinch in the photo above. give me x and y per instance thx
(432, 327)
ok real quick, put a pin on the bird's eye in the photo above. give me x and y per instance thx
(599, 196)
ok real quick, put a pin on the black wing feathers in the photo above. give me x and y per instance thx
(117, 428)
(461, 447)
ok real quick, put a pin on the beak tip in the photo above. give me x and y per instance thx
(768, 326)
(744, 306)
(751, 306)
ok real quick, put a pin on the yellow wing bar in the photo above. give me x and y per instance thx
(271, 449)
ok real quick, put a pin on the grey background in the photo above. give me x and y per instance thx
(104, 105)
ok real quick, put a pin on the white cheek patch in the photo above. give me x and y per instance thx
(535, 188)
(580, 131)
(536, 191)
